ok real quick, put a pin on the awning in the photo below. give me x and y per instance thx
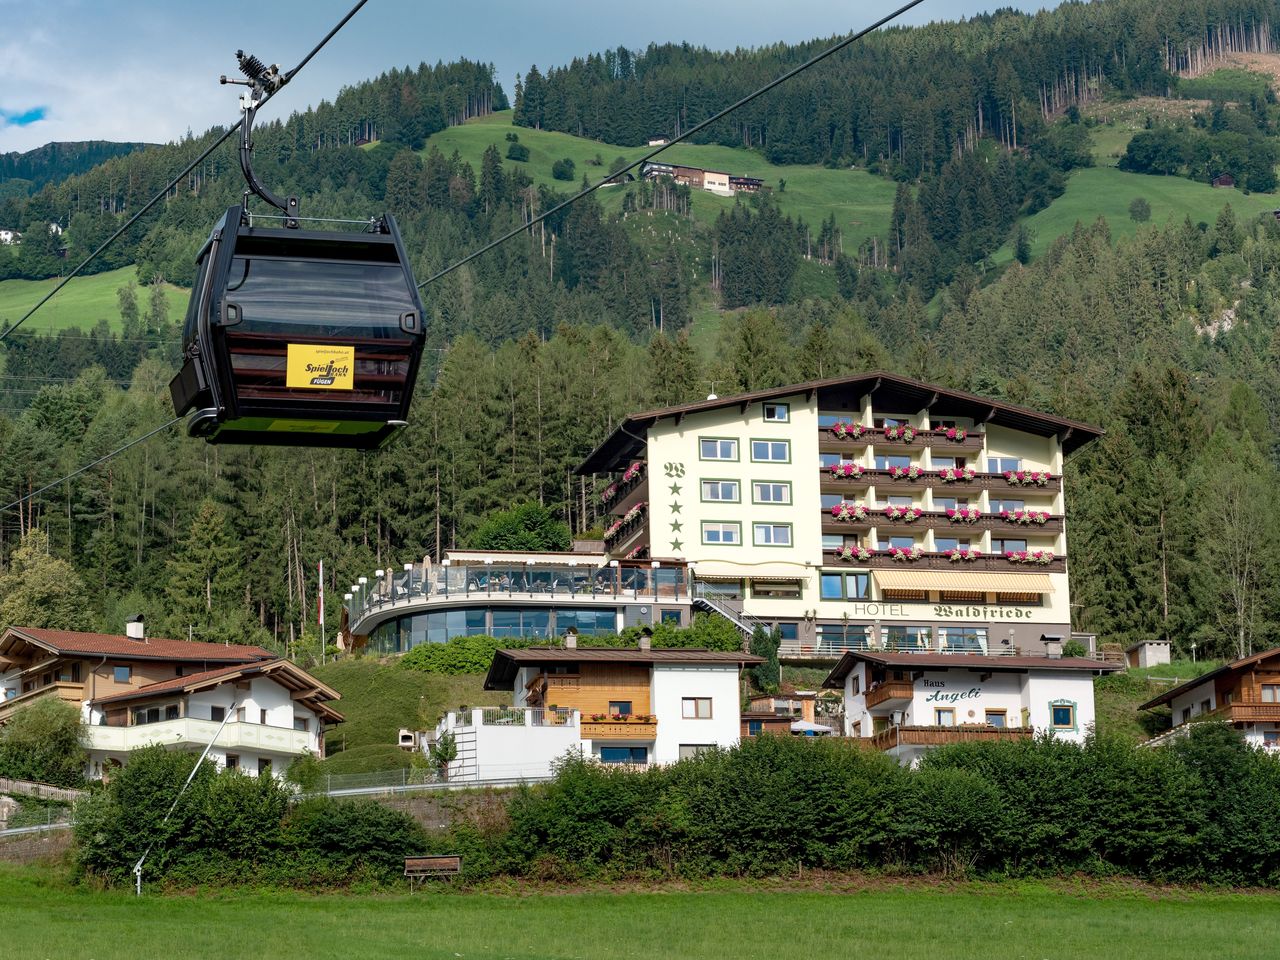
(725, 570)
(963, 580)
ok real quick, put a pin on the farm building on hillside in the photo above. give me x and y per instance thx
(1224, 180)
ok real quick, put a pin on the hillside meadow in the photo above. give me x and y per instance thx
(45, 917)
(81, 303)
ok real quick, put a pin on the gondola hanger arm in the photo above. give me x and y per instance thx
(263, 82)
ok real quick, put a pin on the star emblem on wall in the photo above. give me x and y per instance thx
(676, 526)
(676, 546)
(675, 489)
(675, 508)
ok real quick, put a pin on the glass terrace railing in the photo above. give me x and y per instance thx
(527, 581)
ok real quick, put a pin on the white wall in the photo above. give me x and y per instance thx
(965, 692)
(1193, 699)
(508, 751)
(671, 684)
(1044, 689)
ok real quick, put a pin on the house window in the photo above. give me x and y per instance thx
(624, 754)
(1186, 714)
(696, 708)
(689, 750)
(1063, 715)
(233, 761)
(171, 712)
(262, 717)
(788, 632)
(771, 451)
(122, 674)
(944, 717)
(301, 724)
(720, 491)
(1271, 693)
(217, 714)
(240, 714)
(1271, 739)
(775, 589)
(777, 412)
(619, 708)
(855, 685)
(148, 715)
(962, 639)
(772, 534)
(177, 670)
(754, 728)
(671, 616)
(1206, 706)
(886, 462)
(1001, 464)
(715, 532)
(716, 448)
(264, 767)
(997, 718)
(769, 492)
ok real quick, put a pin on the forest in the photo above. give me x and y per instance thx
(537, 350)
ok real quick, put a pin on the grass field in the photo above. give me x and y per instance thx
(82, 303)
(1117, 697)
(44, 918)
(378, 700)
(861, 202)
(1107, 192)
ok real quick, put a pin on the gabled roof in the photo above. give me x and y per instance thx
(502, 671)
(959, 661)
(1236, 666)
(76, 643)
(624, 443)
(288, 675)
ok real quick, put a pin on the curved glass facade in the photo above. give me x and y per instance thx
(407, 631)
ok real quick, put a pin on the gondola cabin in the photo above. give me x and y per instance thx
(300, 337)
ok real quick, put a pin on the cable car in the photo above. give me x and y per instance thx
(297, 337)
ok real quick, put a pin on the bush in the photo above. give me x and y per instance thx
(563, 169)
(1139, 210)
(44, 741)
(518, 152)
(1074, 648)
(529, 526)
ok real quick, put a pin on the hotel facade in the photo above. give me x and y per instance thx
(862, 512)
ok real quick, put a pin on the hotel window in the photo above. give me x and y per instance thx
(887, 462)
(882, 422)
(1010, 505)
(901, 543)
(834, 541)
(1271, 693)
(907, 637)
(940, 463)
(942, 544)
(1021, 599)
(1063, 716)
(829, 500)
(943, 504)
(828, 460)
(771, 451)
(624, 754)
(233, 761)
(671, 616)
(122, 674)
(997, 718)
(721, 533)
(900, 500)
(690, 750)
(944, 717)
(619, 708)
(1001, 464)
(217, 714)
(715, 448)
(771, 534)
(695, 708)
(768, 492)
(777, 413)
(720, 490)
(1007, 544)
(963, 639)
(300, 724)
(845, 586)
(788, 632)
(775, 589)
(723, 589)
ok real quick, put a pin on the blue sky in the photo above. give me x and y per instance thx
(148, 69)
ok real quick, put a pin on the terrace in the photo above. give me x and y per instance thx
(934, 736)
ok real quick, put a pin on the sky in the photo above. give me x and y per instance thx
(148, 69)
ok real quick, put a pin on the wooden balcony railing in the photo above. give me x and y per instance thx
(884, 480)
(618, 729)
(890, 690)
(1248, 712)
(65, 691)
(923, 438)
(892, 737)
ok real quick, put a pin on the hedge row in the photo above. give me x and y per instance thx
(1206, 809)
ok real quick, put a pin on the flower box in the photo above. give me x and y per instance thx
(852, 553)
(907, 554)
(964, 514)
(633, 471)
(955, 434)
(1028, 478)
(848, 511)
(1025, 517)
(844, 430)
(906, 473)
(621, 718)
(952, 474)
(846, 470)
(904, 432)
(1040, 557)
(905, 514)
(609, 493)
(962, 554)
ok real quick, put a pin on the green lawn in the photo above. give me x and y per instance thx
(379, 699)
(81, 303)
(1118, 696)
(861, 202)
(1107, 192)
(43, 918)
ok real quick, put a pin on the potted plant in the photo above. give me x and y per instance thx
(908, 473)
(903, 513)
(952, 474)
(960, 554)
(904, 432)
(845, 430)
(908, 554)
(964, 514)
(955, 434)
(846, 470)
(846, 510)
(1028, 478)
(848, 552)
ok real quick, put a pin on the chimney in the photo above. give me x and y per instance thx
(646, 638)
(571, 639)
(1052, 645)
(134, 628)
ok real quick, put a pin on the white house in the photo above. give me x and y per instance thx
(905, 703)
(632, 706)
(1244, 693)
(8, 237)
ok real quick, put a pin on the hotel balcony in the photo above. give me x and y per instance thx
(892, 737)
(886, 482)
(938, 520)
(829, 442)
(72, 693)
(940, 561)
(619, 728)
(191, 732)
(624, 493)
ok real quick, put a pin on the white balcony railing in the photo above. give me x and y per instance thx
(235, 735)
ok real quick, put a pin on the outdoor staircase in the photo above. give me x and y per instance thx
(732, 611)
(464, 767)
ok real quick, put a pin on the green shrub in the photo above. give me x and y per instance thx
(528, 526)
(44, 741)
(518, 152)
(563, 169)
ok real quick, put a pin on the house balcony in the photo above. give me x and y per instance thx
(892, 737)
(1247, 712)
(189, 732)
(940, 561)
(888, 691)
(72, 693)
(619, 728)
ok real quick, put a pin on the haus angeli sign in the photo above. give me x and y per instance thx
(945, 696)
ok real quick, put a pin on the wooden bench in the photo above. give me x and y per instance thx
(418, 869)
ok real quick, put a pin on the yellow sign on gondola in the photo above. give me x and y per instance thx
(314, 367)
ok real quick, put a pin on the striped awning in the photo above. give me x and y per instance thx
(963, 580)
(721, 570)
